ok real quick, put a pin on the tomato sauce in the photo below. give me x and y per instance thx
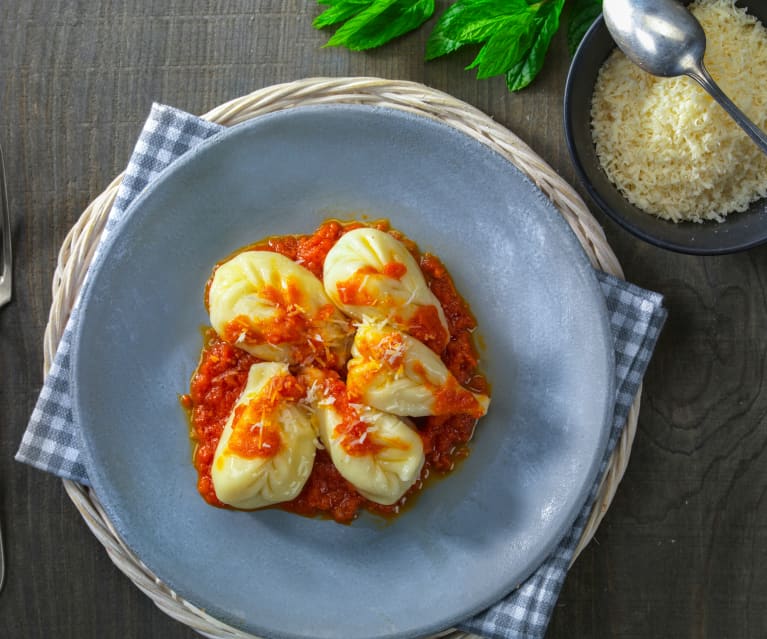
(223, 369)
(352, 291)
(425, 326)
(352, 430)
(215, 386)
(255, 432)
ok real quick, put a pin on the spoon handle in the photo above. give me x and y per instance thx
(701, 75)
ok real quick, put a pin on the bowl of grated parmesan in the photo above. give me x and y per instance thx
(659, 155)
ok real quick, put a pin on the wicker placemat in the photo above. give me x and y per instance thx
(78, 248)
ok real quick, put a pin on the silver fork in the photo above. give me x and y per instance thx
(7, 271)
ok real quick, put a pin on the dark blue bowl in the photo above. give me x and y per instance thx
(740, 231)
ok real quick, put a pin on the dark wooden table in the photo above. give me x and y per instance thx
(682, 551)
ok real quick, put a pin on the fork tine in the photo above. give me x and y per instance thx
(5, 221)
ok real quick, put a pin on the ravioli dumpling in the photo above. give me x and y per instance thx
(394, 372)
(277, 310)
(378, 453)
(266, 451)
(371, 275)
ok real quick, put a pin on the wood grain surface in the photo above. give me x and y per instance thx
(682, 551)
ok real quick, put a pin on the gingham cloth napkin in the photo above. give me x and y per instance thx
(51, 441)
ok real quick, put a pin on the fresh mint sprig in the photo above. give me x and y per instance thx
(582, 15)
(513, 36)
(371, 23)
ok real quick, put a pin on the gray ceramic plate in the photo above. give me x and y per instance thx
(470, 538)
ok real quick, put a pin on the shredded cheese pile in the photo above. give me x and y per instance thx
(667, 145)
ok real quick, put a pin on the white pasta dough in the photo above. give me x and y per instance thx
(277, 310)
(371, 275)
(253, 481)
(382, 475)
(396, 373)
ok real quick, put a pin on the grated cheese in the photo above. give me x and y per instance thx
(364, 414)
(313, 393)
(667, 145)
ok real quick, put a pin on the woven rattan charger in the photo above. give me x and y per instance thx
(78, 249)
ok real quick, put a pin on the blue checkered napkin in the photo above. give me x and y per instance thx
(636, 319)
(51, 441)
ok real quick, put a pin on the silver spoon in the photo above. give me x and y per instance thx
(665, 39)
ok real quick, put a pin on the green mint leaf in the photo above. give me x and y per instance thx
(338, 11)
(515, 36)
(582, 15)
(375, 22)
(547, 23)
(471, 22)
(504, 49)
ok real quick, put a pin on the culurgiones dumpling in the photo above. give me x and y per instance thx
(396, 373)
(266, 451)
(277, 310)
(378, 453)
(371, 275)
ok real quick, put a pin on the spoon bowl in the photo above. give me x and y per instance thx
(665, 39)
